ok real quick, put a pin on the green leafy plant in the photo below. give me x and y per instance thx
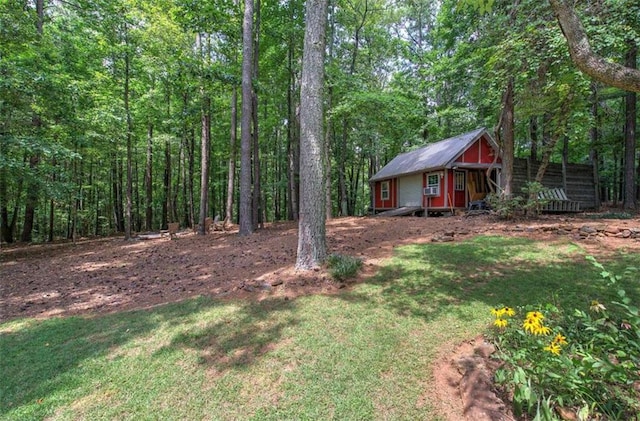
(585, 362)
(509, 207)
(505, 207)
(534, 203)
(342, 267)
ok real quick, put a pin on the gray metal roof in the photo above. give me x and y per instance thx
(433, 156)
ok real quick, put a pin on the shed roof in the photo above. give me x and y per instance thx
(432, 156)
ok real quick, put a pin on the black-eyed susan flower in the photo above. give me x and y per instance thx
(560, 340)
(509, 311)
(535, 315)
(500, 323)
(530, 325)
(553, 348)
(498, 312)
(540, 329)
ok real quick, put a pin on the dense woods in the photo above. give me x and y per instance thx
(118, 116)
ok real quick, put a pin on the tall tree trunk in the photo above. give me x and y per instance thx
(342, 168)
(593, 153)
(8, 224)
(257, 188)
(312, 248)
(148, 180)
(228, 218)
(32, 201)
(36, 122)
(204, 164)
(128, 207)
(630, 200)
(533, 135)
(246, 220)
(293, 143)
(505, 134)
(191, 151)
(166, 185)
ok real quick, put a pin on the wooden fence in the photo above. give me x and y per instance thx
(580, 181)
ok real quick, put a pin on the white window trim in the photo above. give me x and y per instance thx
(437, 184)
(385, 193)
(457, 174)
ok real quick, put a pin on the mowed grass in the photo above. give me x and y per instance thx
(362, 354)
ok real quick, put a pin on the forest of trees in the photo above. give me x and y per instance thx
(125, 115)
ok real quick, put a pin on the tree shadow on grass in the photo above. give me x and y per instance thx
(41, 359)
(239, 340)
(430, 280)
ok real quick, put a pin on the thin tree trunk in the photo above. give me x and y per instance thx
(630, 200)
(166, 183)
(204, 164)
(32, 201)
(593, 153)
(191, 151)
(148, 180)
(257, 188)
(533, 135)
(232, 156)
(128, 208)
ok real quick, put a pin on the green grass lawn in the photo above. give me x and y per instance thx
(362, 354)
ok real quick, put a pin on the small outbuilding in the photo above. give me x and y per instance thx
(440, 177)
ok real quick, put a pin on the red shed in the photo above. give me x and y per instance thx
(439, 177)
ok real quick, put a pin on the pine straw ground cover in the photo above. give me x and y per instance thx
(363, 352)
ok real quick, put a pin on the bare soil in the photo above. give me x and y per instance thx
(93, 276)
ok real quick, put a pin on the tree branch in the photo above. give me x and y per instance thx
(585, 59)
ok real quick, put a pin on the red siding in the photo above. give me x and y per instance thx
(459, 197)
(480, 152)
(392, 202)
(434, 201)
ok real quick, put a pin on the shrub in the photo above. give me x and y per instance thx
(342, 267)
(509, 207)
(585, 362)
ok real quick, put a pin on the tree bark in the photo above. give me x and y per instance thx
(593, 153)
(32, 201)
(312, 248)
(257, 187)
(246, 220)
(505, 136)
(232, 156)
(630, 200)
(129, 139)
(204, 164)
(148, 182)
(584, 58)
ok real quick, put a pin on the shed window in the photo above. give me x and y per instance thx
(459, 180)
(384, 190)
(433, 184)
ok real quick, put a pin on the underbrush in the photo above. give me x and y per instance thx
(579, 365)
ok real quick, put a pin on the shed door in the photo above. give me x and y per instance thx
(410, 190)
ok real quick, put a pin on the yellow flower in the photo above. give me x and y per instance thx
(553, 348)
(509, 311)
(501, 323)
(530, 325)
(560, 340)
(541, 330)
(498, 312)
(535, 315)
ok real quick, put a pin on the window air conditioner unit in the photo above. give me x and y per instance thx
(432, 191)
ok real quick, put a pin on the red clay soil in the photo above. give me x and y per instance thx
(96, 276)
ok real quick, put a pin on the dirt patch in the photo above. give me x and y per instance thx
(109, 275)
